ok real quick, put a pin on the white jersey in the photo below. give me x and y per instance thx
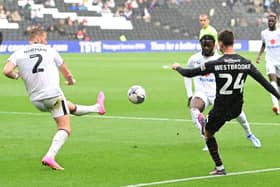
(38, 66)
(272, 43)
(205, 84)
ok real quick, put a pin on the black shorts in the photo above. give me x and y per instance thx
(220, 114)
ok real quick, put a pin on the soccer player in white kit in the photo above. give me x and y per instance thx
(38, 65)
(205, 89)
(271, 42)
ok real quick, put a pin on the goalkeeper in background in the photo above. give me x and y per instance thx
(206, 28)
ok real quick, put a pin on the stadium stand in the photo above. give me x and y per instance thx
(136, 19)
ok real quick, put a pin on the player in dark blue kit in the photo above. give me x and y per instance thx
(230, 72)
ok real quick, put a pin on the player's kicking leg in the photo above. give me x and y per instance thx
(79, 110)
(196, 106)
(242, 120)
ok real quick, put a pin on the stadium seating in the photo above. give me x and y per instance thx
(168, 21)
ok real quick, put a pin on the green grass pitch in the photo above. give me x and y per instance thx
(133, 144)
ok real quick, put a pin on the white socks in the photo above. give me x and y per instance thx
(244, 123)
(82, 109)
(274, 99)
(58, 141)
(195, 112)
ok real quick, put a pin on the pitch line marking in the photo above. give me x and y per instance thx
(130, 118)
(203, 177)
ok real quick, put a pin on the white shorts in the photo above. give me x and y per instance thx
(273, 69)
(57, 106)
(208, 99)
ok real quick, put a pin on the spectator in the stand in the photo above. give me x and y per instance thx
(140, 11)
(98, 5)
(60, 27)
(3, 15)
(82, 24)
(275, 7)
(97, 2)
(73, 7)
(82, 35)
(28, 5)
(153, 4)
(111, 3)
(127, 12)
(147, 15)
(69, 21)
(258, 5)
(106, 10)
(77, 6)
(86, 36)
(119, 12)
(51, 28)
(266, 5)
(15, 16)
(83, 5)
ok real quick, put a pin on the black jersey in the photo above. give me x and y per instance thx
(230, 72)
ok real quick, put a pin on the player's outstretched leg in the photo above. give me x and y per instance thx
(80, 110)
(242, 120)
(254, 140)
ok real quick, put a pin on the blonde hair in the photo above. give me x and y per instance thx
(37, 31)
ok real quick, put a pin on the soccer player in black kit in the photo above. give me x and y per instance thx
(230, 72)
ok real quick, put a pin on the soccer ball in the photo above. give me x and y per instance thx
(136, 94)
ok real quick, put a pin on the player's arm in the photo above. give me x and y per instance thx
(260, 78)
(188, 87)
(260, 53)
(58, 60)
(9, 70)
(188, 81)
(67, 74)
(190, 72)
